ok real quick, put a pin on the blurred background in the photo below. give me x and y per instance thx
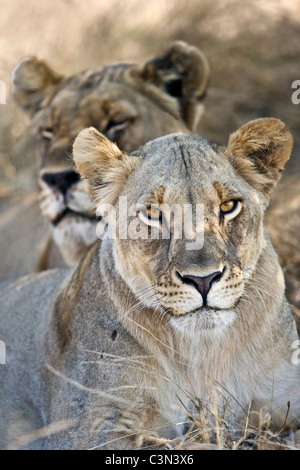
(253, 48)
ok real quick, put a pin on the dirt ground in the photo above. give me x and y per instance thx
(253, 48)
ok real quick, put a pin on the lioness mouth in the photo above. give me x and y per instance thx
(68, 211)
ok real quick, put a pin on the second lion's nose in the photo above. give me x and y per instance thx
(62, 180)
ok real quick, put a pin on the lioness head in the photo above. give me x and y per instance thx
(198, 274)
(129, 103)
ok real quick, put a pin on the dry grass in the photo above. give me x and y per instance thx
(253, 48)
(208, 427)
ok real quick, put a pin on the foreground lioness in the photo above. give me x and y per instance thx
(129, 103)
(114, 353)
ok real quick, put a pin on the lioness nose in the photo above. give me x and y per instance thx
(62, 180)
(202, 284)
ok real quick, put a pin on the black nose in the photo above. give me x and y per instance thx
(202, 284)
(62, 180)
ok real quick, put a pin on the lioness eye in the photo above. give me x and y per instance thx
(153, 213)
(228, 206)
(47, 133)
(114, 129)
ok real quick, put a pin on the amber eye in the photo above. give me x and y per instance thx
(228, 206)
(153, 213)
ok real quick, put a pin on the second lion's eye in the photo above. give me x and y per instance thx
(47, 133)
(114, 129)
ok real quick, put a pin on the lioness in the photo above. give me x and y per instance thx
(115, 353)
(129, 103)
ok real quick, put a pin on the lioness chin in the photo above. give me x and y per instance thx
(129, 103)
(152, 329)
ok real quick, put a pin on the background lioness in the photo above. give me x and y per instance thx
(129, 103)
(146, 333)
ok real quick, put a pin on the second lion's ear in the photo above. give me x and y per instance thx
(183, 73)
(33, 82)
(102, 164)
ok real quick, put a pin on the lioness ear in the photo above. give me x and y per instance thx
(259, 150)
(183, 73)
(33, 82)
(102, 164)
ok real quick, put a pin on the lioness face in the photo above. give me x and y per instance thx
(174, 275)
(130, 104)
(196, 275)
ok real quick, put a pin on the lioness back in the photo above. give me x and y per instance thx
(31, 320)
